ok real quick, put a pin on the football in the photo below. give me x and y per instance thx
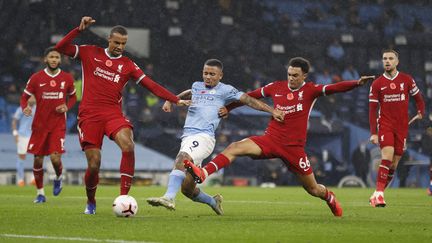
(125, 206)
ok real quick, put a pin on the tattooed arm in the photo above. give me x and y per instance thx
(261, 106)
(185, 95)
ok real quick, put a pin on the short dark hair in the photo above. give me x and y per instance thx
(119, 29)
(301, 63)
(48, 50)
(214, 63)
(390, 50)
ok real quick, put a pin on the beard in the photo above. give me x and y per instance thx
(53, 68)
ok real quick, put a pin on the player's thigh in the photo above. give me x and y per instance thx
(198, 147)
(295, 159)
(124, 139)
(38, 143)
(22, 145)
(91, 133)
(245, 147)
(399, 144)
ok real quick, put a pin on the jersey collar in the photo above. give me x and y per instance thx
(109, 56)
(292, 90)
(385, 75)
(51, 75)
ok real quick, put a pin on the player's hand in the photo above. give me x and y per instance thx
(278, 115)
(27, 111)
(223, 112)
(374, 139)
(419, 116)
(86, 21)
(365, 79)
(167, 106)
(184, 103)
(61, 108)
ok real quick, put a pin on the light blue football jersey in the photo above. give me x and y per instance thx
(202, 116)
(24, 122)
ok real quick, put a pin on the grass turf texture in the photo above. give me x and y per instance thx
(286, 214)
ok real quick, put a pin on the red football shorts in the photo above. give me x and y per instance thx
(293, 156)
(46, 143)
(386, 137)
(92, 131)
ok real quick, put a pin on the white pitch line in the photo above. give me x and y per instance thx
(45, 237)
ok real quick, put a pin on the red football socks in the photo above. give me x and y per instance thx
(390, 176)
(219, 162)
(383, 172)
(38, 175)
(127, 168)
(91, 181)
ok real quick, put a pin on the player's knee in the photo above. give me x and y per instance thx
(127, 146)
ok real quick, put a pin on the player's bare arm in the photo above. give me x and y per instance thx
(86, 21)
(365, 79)
(185, 95)
(259, 105)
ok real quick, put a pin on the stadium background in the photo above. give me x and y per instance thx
(254, 39)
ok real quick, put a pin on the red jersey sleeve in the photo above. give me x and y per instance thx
(30, 88)
(136, 74)
(373, 107)
(374, 92)
(65, 45)
(266, 91)
(415, 92)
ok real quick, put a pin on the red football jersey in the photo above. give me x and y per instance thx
(50, 91)
(104, 77)
(297, 105)
(392, 94)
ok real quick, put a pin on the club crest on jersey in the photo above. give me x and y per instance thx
(290, 96)
(119, 68)
(300, 95)
(62, 85)
(392, 86)
(108, 63)
(53, 83)
(401, 87)
(212, 91)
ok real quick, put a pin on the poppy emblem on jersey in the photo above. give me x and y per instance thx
(53, 83)
(392, 86)
(203, 92)
(290, 96)
(108, 63)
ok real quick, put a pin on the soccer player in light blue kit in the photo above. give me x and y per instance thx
(198, 139)
(21, 130)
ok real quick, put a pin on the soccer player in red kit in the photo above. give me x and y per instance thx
(390, 92)
(286, 140)
(50, 87)
(105, 73)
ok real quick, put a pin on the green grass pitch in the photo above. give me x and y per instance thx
(285, 214)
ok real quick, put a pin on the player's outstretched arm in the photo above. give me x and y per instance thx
(259, 105)
(186, 95)
(344, 86)
(85, 23)
(65, 45)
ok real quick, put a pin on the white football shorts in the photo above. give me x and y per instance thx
(198, 146)
(22, 144)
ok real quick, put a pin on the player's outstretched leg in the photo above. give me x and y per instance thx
(333, 203)
(198, 174)
(175, 181)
